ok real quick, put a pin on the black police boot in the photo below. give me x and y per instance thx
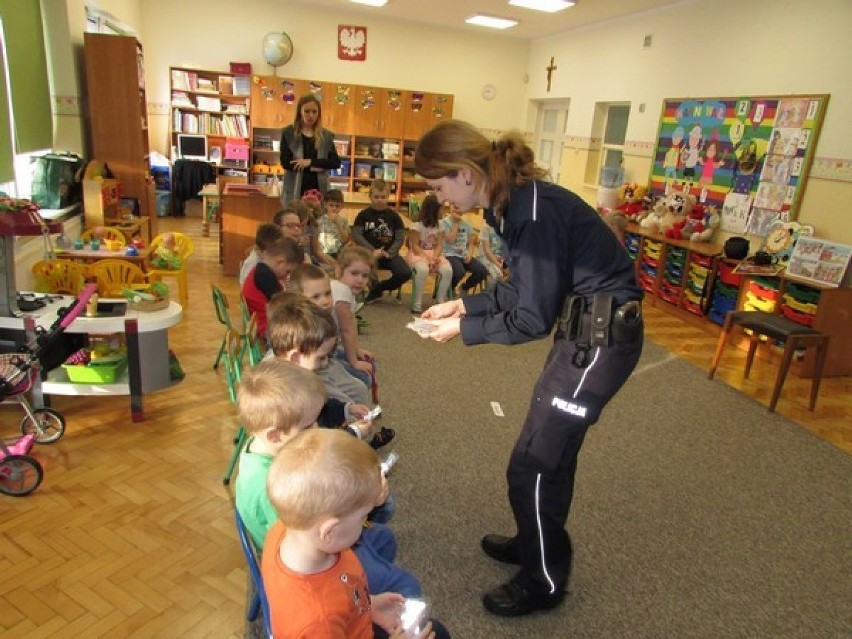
(501, 548)
(513, 600)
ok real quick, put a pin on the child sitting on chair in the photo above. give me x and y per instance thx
(425, 253)
(354, 266)
(265, 235)
(322, 484)
(276, 401)
(491, 254)
(305, 334)
(380, 230)
(332, 225)
(269, 276)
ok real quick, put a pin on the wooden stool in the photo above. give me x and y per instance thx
(780, 329)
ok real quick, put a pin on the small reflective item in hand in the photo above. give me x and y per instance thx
(421, 327)
(389, 462)
(413, 615)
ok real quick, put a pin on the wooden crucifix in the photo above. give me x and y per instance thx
(550, 71)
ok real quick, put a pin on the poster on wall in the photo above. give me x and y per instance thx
(748, 156)
(819, 261)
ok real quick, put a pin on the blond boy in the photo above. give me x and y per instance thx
(322, 484)
(276, 400)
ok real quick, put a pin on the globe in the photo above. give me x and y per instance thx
(277, 48)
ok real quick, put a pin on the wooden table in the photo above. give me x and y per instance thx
(88, 256)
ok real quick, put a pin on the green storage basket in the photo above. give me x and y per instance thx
(105, 373)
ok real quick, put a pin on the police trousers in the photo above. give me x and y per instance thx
(567, 399)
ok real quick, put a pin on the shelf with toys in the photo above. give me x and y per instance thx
(689, 273)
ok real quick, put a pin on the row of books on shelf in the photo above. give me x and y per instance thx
(235, 126)
(224, 84)
(208, 103)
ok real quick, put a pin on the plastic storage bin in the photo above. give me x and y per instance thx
(105, 373)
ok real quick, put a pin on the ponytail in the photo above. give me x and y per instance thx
(499, 166)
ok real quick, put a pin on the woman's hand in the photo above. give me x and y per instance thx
(453, 308)
(300, 165)
(387, 610)
(446, 329)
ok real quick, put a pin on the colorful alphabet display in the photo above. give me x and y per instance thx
(749, 156)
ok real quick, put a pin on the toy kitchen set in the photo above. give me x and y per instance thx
(25, 315)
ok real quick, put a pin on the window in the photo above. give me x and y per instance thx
(610, 126)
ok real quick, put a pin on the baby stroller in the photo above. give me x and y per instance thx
(21, 474)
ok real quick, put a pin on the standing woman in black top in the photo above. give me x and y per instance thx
(566, 269)
(307, 151)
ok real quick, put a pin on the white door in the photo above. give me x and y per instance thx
(550, 125)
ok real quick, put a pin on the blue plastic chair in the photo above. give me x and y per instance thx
(259, 604)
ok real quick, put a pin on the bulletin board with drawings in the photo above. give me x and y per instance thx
(749, 156)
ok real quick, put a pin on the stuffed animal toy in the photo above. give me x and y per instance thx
(165, 256)
(632, 197)
(673, 207)
(710, 223)
(260, 167)
(685, 227)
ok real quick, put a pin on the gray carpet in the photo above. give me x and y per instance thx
(696, 513)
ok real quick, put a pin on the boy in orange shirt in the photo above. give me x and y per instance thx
(322, 484)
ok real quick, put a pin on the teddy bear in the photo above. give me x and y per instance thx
(708, 225)
(673, 207)
(632, 198)
(685, 227)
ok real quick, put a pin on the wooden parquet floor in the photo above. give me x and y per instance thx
(131, 533)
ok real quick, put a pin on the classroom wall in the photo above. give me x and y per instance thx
(700, 48)
(709, 48)
(399, 55)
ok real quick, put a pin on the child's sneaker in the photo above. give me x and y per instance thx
(383, 437)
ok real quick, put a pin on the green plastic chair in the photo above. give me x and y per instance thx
(222, 308)
(233, 353)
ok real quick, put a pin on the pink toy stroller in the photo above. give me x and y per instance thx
(21, 474)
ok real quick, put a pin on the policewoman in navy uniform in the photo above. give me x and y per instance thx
(567, 271)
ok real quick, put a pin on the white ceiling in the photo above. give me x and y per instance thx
(533, 24)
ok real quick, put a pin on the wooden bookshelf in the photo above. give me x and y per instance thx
(118, 116)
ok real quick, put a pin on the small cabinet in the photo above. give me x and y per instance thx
(274, 100)
(380, 112)
(338, 107)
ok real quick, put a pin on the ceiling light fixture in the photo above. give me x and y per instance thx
(491, 22)
(550, 6)
(372, 3)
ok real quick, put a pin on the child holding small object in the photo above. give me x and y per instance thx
(322, 485)
(276, 401)
(339, 297)
(305, 334)
(425, 248)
